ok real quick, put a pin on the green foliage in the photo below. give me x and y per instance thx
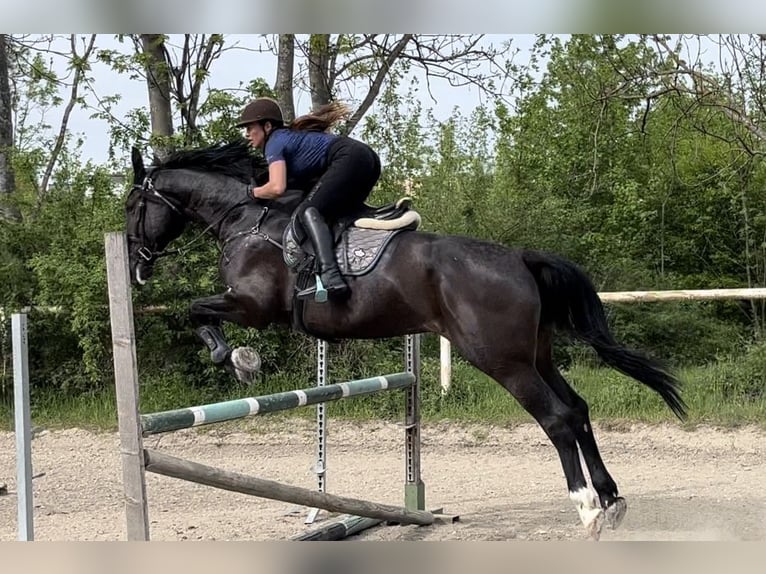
(740, 379)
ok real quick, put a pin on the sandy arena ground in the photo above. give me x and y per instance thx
(504, 483)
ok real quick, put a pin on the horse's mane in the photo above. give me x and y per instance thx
(233, 159)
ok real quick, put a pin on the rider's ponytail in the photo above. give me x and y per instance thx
(323, 119)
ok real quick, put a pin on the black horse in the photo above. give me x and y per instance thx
(498, 306)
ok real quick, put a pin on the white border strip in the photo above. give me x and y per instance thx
(255, 406)
(199, 415)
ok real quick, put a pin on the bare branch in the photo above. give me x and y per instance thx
(460, 60)
(706, 86)
(197, 75)
(79, 64)
(376, 84)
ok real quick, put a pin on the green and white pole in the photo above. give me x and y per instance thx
(177, 419)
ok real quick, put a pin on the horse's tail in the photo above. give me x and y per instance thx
(570, 303)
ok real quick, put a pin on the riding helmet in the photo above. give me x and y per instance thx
(261, 110)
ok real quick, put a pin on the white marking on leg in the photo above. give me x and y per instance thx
(584, 465)
(587, 505)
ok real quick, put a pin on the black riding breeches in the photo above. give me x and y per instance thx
(353, 169)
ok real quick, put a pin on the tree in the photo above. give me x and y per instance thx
(7, 179)
(736, 88)
(155, 56)
(364, 63)
(37, 85)
(79, 64)
(283, 85)
(175, 75)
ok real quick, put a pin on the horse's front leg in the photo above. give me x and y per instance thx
(207, 315)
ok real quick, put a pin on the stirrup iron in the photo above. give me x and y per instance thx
(319, 292)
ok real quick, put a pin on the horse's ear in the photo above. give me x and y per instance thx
(139, 171)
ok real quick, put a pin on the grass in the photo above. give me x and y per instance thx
(727, 393)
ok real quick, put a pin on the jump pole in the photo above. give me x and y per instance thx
(177, 419)
(168, 465)
(131, 429)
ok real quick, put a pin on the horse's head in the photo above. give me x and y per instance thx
(153, 220)
(202, 184)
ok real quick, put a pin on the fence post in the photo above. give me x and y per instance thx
(23, 427)
(321, 465)
(414, 489)
(126, 382)
(445, 364)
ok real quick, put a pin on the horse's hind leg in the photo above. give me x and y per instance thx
(520, 377)
(555, 417)
(207, 315)
(604, 485)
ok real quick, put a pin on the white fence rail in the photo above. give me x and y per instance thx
(445, 354)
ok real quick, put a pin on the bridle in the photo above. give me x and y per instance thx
(148, 192)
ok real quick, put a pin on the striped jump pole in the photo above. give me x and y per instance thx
(177, 419)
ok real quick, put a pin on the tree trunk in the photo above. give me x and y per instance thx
(158, 84)
(7, 179)
(319, 59)
(283, 85)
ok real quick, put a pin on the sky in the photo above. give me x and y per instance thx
(235, 66)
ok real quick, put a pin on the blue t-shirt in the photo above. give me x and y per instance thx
(305, 153)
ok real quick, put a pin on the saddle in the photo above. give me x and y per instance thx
(359, 239)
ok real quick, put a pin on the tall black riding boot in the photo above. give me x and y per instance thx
(321, 237)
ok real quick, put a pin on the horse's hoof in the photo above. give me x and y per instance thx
(589, 509)
(246, 362)
(615, 512)
(220, 354)
(594, 525)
